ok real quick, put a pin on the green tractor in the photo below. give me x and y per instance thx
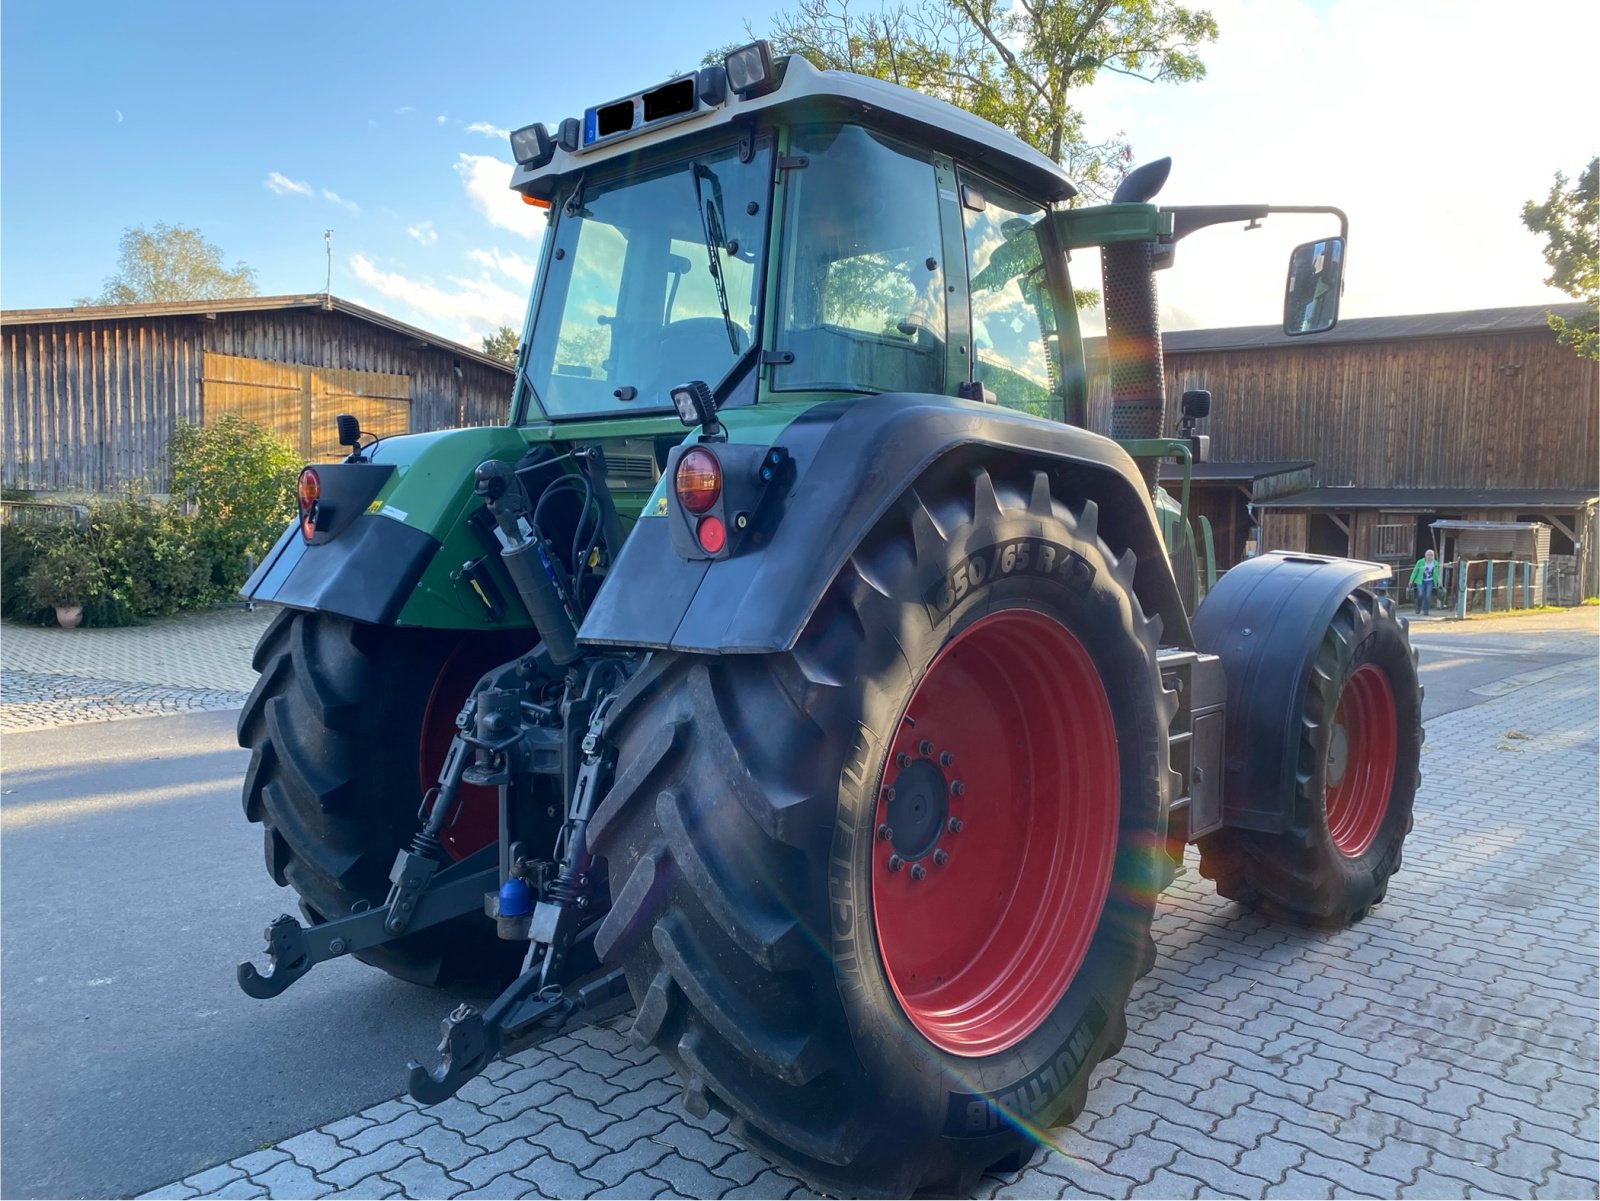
(794, 666)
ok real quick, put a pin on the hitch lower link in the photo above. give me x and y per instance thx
(536, 1006)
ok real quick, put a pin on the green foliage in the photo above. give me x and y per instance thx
(502, 344)
(152, 561)
(1569, 218)
(63, 572)
(241, 478)
(168, 263)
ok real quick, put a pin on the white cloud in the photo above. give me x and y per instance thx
(488, 130)
(351, 205)
(467, 309)
(508, 263)
(441, 119)
(487, 180)
(284, 186)
(404, 109)
(423, 232)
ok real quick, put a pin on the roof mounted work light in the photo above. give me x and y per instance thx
(749, 67)
(532, 146)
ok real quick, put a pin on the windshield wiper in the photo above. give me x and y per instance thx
(711, 217)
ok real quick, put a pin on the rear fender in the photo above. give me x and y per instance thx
(1265, 620)
(852, 460)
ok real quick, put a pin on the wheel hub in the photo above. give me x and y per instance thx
(918, 804)
(1338, 755)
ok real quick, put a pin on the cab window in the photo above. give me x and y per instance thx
(1013, 315)
(863, 286)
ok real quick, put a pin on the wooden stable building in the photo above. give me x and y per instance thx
(1355, 441)
(92, 394)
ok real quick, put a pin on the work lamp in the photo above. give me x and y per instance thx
(695, 405)
(749, 67)
(531, 146)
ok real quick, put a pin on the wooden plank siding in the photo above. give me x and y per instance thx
(89, 405)
(1475, 411)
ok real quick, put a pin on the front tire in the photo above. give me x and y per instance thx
(781, 961)
(1360, 720)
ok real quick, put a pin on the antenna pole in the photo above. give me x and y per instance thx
(327, 237)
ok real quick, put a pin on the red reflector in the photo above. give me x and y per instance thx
(713, 535)
(309, 493)
(699, 481)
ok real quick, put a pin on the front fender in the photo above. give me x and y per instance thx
(1265, 620)
(853, 460)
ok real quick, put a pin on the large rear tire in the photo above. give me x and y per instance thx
(333, 726)
(792, 858)
(1360, 723)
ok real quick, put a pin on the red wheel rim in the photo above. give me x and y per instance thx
(1003, 778)
(1362, 748)
(477, 823)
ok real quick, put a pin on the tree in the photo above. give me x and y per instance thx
(172, 262)
(1568, 219)
(502, 344)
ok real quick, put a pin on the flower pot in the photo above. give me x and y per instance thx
(68, 616)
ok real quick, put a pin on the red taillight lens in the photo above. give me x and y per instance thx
(699, 481)
(712, 534)
(309, 493)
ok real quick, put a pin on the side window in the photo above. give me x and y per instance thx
(863, 292)
(1013, 316)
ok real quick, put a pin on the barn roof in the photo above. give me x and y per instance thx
(248, 304)
(1209, 471)
(1516, 319)
(1432, 500)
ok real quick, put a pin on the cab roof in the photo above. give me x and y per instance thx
(804, 93)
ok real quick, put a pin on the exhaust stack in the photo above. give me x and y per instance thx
(1133, 324)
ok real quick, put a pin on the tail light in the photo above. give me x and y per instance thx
(699, 482)
(309, 493)
(712, 534)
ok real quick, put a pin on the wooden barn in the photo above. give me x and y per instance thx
(1354, 442)
(91, 394)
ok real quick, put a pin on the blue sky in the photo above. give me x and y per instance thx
(1430, 121)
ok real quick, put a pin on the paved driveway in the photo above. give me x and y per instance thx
(1445, 1047)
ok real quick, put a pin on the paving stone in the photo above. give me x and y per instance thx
(243, 1188)
(370, 1188)
(687, 1178)
(637, 1157)
(170, 1192)
(533, 1126)
(422, 1178)
(291, 1179)
(316, 1149)
(373, 1137)
(444, 1147)
(769, 1184)
(390, 1155)
(347, 1127)
(501, 1187)
(512, 1157)
(573, 1146)
(553, 1178)
(210, 1180)
(623, 1134)
(455, 1114)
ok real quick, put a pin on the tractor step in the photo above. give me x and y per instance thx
(293, 949)
(523, 1016)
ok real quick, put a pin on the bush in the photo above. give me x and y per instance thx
(241, 477)
(64, 573)
(20, 548)
(154, 563)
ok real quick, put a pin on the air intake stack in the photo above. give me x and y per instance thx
(1133, 324)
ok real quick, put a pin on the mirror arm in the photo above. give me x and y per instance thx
(1186, 219)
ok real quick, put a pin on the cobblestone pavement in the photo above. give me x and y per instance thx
(1445, 1047)
(53, 677)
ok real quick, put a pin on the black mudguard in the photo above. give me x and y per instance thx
(852, 461)
(1265, 619)
(367, 574)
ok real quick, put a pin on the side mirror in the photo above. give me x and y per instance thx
(1316, 279)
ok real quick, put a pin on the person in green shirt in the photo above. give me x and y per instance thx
(1423, 577)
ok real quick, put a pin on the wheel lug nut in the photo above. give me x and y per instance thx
(902, 760)
(957, 788)
(918, 871)
(885, 833)
(940, 858)
(896, 863)
(888, 794)
(954, 825)
(925, 747)
(946, 758)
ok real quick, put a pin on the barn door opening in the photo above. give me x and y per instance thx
(1328, 534)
